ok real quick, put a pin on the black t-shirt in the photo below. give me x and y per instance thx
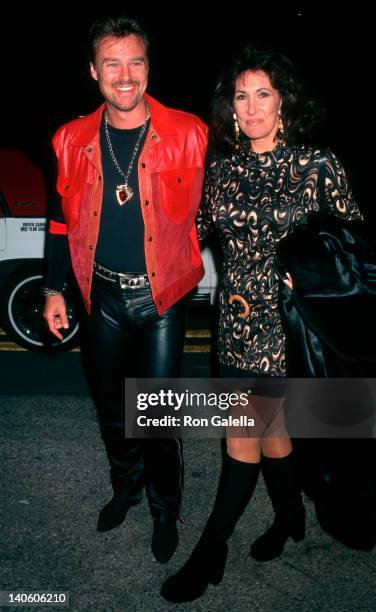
(120, 245)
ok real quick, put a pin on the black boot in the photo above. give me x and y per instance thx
(127, 479)
(114, 513)
(165, 539)
(164, 488)
(286, 498)
(207, 561)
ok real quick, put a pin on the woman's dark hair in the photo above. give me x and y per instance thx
(299, 115)
(113, 26)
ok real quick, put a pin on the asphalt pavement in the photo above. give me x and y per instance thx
(55, 481)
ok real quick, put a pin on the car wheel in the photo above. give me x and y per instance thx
(21, 312)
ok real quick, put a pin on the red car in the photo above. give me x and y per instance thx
(23, 206)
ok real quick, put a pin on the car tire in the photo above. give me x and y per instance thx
(21, 312)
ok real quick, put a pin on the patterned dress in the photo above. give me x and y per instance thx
(252, 201)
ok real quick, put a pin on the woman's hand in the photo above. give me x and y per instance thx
(288, 281)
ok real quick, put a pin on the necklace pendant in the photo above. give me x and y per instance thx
(123, 194)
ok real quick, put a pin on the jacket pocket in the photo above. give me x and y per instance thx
(176, 188)
(67, 187)
(75, 197)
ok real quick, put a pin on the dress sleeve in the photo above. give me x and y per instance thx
(338, 195)
(204, 219)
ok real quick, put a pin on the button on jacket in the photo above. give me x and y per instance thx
(170, 174)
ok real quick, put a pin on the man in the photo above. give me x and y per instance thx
(130, 177)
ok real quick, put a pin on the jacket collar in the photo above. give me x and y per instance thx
(87, 128)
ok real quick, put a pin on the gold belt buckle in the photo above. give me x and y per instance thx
(235, 297)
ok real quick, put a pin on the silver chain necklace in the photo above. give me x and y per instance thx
(123, 192)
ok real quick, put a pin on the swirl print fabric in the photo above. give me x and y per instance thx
(252, 201)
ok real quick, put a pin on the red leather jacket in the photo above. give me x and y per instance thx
(170, 174)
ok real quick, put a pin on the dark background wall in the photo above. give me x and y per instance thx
(46, 79)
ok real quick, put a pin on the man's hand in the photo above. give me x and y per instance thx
(55, 313)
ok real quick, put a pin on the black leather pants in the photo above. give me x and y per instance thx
(127, 337)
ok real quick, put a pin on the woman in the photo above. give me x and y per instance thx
(260, 184)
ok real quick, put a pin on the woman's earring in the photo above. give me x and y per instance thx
(281, 130)
(236, 131)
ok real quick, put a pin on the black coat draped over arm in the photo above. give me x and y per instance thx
(329, 317)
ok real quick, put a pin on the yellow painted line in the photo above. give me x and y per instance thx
(191, 333)
(11, 346)
(198, 333)
(197, 348)
(193, 348)
(188, 348)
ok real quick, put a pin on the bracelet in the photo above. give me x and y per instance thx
(47, 292)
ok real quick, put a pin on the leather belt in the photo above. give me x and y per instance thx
(126, 280)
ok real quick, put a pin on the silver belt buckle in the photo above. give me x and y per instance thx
(123, 281)
(132, 283)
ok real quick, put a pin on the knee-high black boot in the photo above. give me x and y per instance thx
(207, 561)
(285, 495)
